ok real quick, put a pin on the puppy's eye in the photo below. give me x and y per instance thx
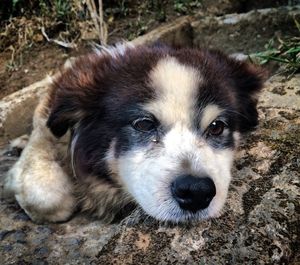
(144, 125)
(216, 128)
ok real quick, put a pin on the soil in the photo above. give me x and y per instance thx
(37, 62)
(40, 58)
(34, 64)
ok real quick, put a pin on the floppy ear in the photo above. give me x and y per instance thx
(248, 80)
(64, 113)
(74, 93)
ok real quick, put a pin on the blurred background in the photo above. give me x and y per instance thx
(37, 36)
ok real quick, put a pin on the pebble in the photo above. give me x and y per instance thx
(41, 251)
(39, 262)
(5, 233)
(22, 216)
(7, 248)
(19, 236)
(73, 242)
(45, 230)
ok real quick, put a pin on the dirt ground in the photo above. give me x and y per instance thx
(40, 58)
(37, 63)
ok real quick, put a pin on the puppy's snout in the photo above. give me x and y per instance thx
(193, 193)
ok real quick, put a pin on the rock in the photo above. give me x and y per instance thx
(7, 248)
(41, 252)
(246, 32)
(16, 110)
(19, 237)
(4, 234)
(22, 216)
(177, 33)
(282, 93)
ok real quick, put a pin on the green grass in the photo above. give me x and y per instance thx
(186, 6)
(286, 53)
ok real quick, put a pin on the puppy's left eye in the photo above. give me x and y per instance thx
(144, 125)
(216, 128)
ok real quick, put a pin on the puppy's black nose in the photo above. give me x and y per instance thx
(193, 193)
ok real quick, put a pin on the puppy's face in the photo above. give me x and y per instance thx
(160, 123)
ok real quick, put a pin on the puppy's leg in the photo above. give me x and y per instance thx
(37, 180)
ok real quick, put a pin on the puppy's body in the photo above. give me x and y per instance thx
(40, 179)
(150, 125)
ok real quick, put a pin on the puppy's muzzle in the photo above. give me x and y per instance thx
(193, 193)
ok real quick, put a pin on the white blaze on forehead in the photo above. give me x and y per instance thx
(209, 114)
(176, 86)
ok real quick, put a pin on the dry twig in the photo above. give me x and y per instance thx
(98, 20)
(59, 42)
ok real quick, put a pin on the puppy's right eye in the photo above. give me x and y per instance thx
(144, 125)
(216, 128)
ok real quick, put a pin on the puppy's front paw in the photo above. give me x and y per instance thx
(48, 212)
(42, 189)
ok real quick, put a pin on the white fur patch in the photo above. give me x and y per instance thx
(148, 173)
(176, 87)
(118, 49)
(209, 114)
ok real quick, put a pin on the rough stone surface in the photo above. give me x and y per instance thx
(176, 33)
(278, 86)
(16, 110)
(246, 32)
(260, 225)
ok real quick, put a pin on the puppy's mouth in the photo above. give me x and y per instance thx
(188, 198)
(175, 214)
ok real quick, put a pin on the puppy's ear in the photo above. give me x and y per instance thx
(248, 80)
(64, 113)
(73, 93)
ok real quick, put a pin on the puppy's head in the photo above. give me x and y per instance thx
(161, 123)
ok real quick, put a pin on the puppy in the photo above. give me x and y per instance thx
(153, 126)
